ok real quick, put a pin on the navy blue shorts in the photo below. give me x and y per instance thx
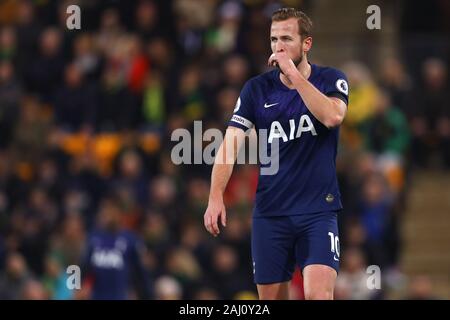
(279, 243)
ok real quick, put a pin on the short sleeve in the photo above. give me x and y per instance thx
(243, 115)
(336, 85)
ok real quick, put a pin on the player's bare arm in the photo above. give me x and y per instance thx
(221, 173)
(330, 111)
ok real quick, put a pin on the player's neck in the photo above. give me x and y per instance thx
(303, 67)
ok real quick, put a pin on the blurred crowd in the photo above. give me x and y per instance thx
(86, 176)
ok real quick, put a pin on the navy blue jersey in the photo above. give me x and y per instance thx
(112, 259)
(306, 180)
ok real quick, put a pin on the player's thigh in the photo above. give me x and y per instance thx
(273, 250)
(318, 282)
(273, 291)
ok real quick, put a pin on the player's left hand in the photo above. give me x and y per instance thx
(283, 62)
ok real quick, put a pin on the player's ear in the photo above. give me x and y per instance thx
(307, 44)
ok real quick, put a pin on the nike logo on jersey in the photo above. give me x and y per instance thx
(270, 105)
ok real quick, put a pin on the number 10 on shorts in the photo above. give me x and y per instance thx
(334, 245)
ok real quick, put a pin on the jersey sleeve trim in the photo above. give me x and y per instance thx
(339, 96)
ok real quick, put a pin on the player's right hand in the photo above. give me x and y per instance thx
(216, 209)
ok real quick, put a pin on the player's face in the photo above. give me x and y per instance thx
(110, 216)
(285, 36)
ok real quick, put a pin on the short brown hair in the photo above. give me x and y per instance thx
(304, 22)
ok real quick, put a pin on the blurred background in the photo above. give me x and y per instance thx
(85, 122)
